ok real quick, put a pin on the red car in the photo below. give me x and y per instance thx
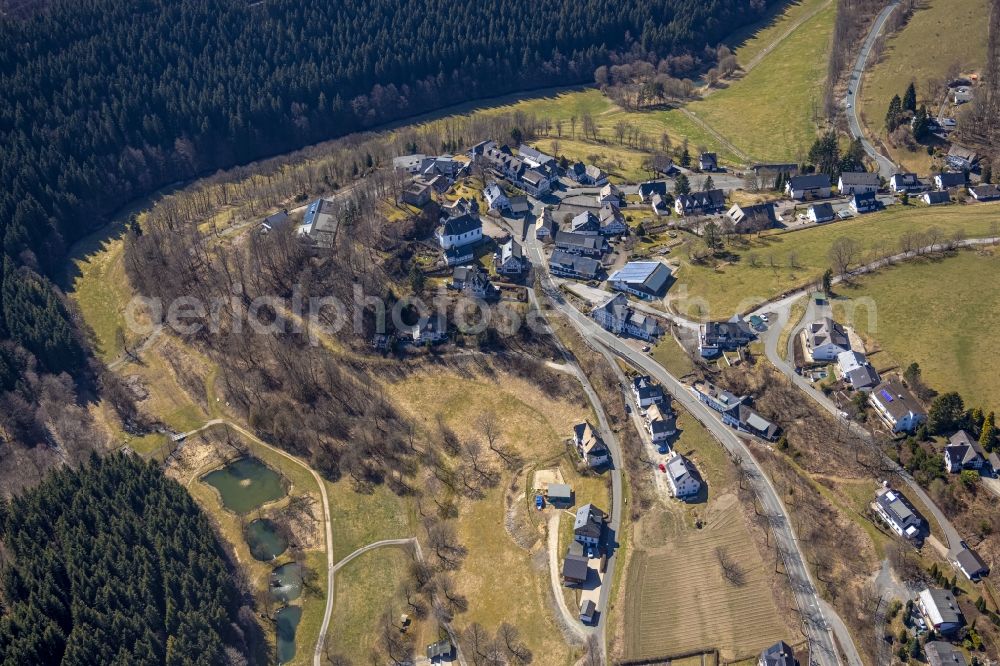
(663, 468)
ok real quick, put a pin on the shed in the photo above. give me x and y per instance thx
(559, 493)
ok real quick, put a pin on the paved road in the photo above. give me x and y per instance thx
(814, 623)
(608, 435)
(886, 167)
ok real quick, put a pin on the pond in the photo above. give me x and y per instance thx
(288, 621)
(265, 540)
(286, 582)
(246, 484)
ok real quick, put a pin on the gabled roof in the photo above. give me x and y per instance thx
(904, 180)
(950, 179)
(644, 387)
(585, 221)
(589, 521)
(698, 200)
(936, 197)
(822, 211)
(940, 653)
(648, 276)
(897, 507)
(779, 654)
(461, 224)
(519, 205)
(586, 266)
(854, 178)
(895, 399)
(863, 377)
(651, 187)
(827, 331)
(590, 442)
(813, 181)
(963, 449)
(941, 607)
(680, 469)
(970, 561)
(575, 567)
(581, 241)
(511, 250)
(987, 191)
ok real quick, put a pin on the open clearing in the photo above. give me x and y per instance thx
(940, 314)
(766, 125)
(536, 424)
(765, 36)
(679, 600)
(923, 51)
(703, 291)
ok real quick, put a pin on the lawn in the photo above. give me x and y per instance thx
(672, 356)
(364, 589)
(770, 114)
(766, 35)
(938, 314)
(717, 292)
(946, 34)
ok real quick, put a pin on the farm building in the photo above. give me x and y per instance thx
(645, 279)
(940, 610)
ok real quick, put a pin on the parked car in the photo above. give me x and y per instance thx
(663, 468)
(662, 450)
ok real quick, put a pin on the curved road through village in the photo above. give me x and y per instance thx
(823, 650)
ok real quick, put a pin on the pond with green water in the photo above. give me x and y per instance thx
(287, 620)
(265, 539)
(246, 484)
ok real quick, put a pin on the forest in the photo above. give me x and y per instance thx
(115, 563)
(105, 101)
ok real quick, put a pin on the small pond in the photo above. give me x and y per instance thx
(288, 621)
(246, 484)
(286, 582)
(265, 539)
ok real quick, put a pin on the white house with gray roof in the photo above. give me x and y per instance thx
(898, 513)
(963, 452)
(779, 654)
(896, 406)
(682, 476)
(940, 610)
(616, 316)
(588, 528)
(825, 339)
(853, 182)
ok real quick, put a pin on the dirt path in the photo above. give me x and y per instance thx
(757, 59)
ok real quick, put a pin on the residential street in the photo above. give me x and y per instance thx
(886, 167)
(814, 623)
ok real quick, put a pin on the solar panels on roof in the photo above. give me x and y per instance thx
(886, 395)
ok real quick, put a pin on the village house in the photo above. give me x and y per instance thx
(896, 406)
(612, 221)
(589, 445)
(545, 225)
(715, 337)
(779, 654)
(822, 212)
(864, 202)
(586, 175)
(700, 203)
(440, 651)
(645, 392)
(661, 424)
(898, 513)
(473, 281)
(510, 259)
(940, 610)
(586, 223)
(458, 237)
(935, 198)
(708, 162)
(460, 206)
(855, 370)
(408, 163)
(650, 188)
(616, 316)
(610, 194)
(564, 264)
(519, 206)
(585, 244)
(970, 564)
(320, 224)
(576, 565)
(722, 401)
(904, 182)
(811, 186)
(852, 182)
(534, 182)
(428, 331)
(825, 339)
(987, 192)
(753, 218)
(949, 179)
(439, 184)
(963, 452)
(939, 653)
(659, 205)
(496, 199)
(961, 158)
(644, 279)
(749, 421)
(418, 194)
(588, 528)
(682, 476)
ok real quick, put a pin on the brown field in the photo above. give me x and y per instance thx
(678, 600)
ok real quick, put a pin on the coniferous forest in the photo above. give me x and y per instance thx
(114, 563)
(107, 100)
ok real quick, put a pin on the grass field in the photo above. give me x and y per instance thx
(764, 36)
(364, 589)
(536, 424)
(941, 315)
(770, 114)
(944, 34)
(717, 292)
